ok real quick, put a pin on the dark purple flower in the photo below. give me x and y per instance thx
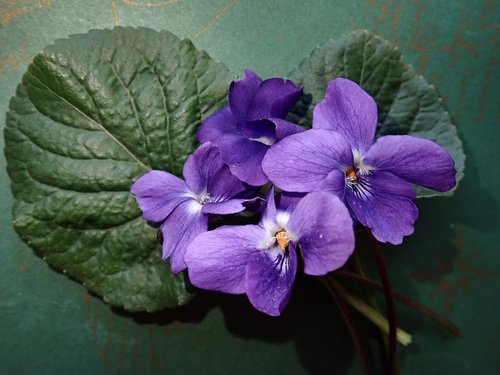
(374, 179)
(261, 260)
(183, 207)
(251, 122)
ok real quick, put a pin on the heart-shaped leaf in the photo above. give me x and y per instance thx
(407, 103)
(92, 114)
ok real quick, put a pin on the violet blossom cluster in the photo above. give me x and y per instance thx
(330, 178)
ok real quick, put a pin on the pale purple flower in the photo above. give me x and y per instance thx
(183, 206)
(261, 260)
(374, 179)
(251, 122)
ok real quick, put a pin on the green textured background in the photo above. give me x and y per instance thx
(49, 324)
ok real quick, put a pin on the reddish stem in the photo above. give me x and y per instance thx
(408, 301)
(351, 326)
(389, 300)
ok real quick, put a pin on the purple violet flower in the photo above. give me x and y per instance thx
(251, 122)
(374, 179)
(261, 260)
(183, 207)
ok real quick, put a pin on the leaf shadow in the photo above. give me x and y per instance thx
(472, 205)
(194, 312)
(310, 321)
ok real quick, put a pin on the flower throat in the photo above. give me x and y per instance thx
(351, 176)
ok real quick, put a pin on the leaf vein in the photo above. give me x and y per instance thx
(53, 152)
(153, 67)
(101, 126)
(134, 108)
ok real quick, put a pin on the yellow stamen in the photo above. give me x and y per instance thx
(282, 239)
(351, 174)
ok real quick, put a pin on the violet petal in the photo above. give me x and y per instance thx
(230, 206)
(263, 130)
(416, 160)
(349, 110)
(300, 162)
(333, 183)
(250, 171)
(275, 97)
(200, 166)
(183, 225)
(216, 260)
(269, 131)
(286, 201)
(285, 128)
(206, 173)
(235, 148)
(223, 185)
(269, 214)
(241, 93)
(215, 126)
(158, 193)
(269, 279)
(324, 228)
(383, 202)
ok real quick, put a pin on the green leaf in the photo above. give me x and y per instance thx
(407, 103)
(92, 114)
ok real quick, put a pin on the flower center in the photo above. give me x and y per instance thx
(351, 176)
(282, 239)
(354, 174)
(203, 198)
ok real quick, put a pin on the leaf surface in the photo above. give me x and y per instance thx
(92, 114)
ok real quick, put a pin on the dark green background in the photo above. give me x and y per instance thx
(49, 324)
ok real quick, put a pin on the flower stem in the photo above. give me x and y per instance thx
(389, 300)
(351, 326)
(373, 315)
(360, 268)
(404, 299)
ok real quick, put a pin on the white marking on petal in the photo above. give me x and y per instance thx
(364, 170)
(191, 195)
(267, 242)
(356, 155)
(194, 207)
(263, 140)
(358, 163)
(270, 226)
(280, 259)
(292, 236)
(282, 218)
(204, 198)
